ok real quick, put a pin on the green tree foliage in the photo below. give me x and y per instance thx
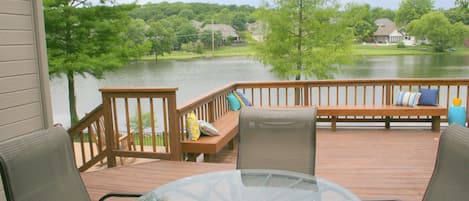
(462, 3)
(135, 36)
(206, 38)
(439, 31)
(186, 34)
(411, 10)
(359, 18)
(187, 13)
(239, 22)
(378, 12)
(145, 120)
(304, 37)
(458, 15)
(84, 40)
(162, 38)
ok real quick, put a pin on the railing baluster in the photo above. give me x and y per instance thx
(153, 129)
(140, 126)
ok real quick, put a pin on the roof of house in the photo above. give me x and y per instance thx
(226, 30)
(385, 27)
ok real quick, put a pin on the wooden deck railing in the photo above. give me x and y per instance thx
(209, 108)
(88, 139)
(145, 112)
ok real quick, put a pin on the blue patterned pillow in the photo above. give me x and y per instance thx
(233, 102)
(207, 128)
(410, 99)
(428, 97)
(244, 99)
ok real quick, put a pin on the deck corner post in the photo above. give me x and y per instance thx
(174, 130)
(109, 130)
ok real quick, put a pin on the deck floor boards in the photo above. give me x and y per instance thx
(373, 163)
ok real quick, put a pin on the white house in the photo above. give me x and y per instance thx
(388, 32)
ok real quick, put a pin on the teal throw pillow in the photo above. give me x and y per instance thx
(207, 128)
(428, 97)
(233, 102)
(243, 98)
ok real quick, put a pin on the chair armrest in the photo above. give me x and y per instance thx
(121, 195)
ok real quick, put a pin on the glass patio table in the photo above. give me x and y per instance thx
(250, 185)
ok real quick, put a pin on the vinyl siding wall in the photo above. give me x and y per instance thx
(24, 84)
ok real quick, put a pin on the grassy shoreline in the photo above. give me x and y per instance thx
(359, 50)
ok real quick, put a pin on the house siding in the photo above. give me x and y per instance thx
(24, 83)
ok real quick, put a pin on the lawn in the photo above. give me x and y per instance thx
(383, 50)
(361, 50)
(220, 52)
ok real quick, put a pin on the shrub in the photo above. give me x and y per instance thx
(400, 45)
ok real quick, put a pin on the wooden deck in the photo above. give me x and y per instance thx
(373, 163)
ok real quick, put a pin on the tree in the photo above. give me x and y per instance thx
(162, 38)
(206, 38)
(411, 10)
(378, 12)
(439, 31)
(457, 15)
(304, 37)
(136, 38)
(462, 3)
(358, 17)
(84, 40)
(187, 33)
(239, 22)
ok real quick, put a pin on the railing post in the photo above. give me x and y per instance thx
(109, 130)
(211, 111)
(388, 93)
(174, 130)
(305, 95)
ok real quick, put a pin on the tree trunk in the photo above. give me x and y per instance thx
(72, 104)
(299, 64)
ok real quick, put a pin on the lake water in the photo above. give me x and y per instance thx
(199, 76)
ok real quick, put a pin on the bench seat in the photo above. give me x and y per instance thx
(227, 127)
(384, 110)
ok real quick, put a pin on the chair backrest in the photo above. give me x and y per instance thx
(41, 166)
(283, 139)
(450, 179)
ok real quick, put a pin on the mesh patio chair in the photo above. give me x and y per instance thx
(41, 166)
(450, 179)
(283, 139)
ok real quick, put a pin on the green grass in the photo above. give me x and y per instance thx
(360, 50)
(147, 139)
(220, 52)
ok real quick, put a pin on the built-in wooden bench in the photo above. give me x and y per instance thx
(227, 127)
(384, 110)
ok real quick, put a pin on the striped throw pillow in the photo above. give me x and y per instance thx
(410, 99)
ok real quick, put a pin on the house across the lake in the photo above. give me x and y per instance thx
(388, 32)
(226, 30)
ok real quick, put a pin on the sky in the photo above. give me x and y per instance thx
(392, 4)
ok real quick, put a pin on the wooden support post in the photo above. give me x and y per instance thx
(109, 131)
(208, 157)
(387, 124)
(436, 123)
(333, 123)
(174, 130)
(192, 157)
(231, 144)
